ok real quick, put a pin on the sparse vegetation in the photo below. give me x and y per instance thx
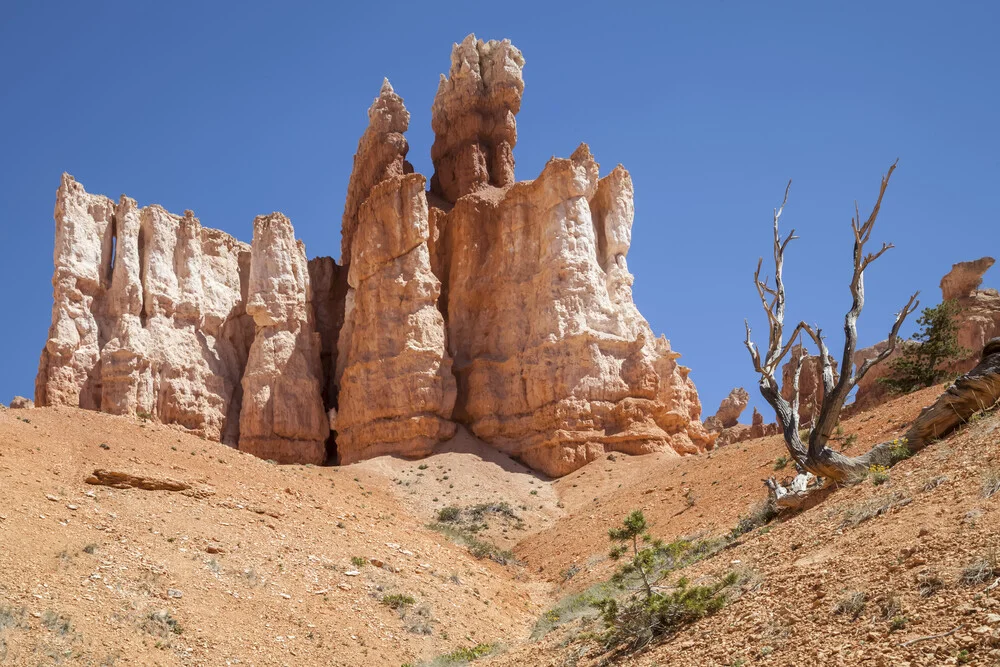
(878, 474)
(929, 583)
(56, 622)
(162, 624)
(464, 655)
(980, 571)
(852, 604)
(870, 508)
(449, 514)
(461, 524)
(781, 462)
(990, 483)
(934, 483)
(397, 600)
(899, 450)
(647, 612)
(932, 346)
(477, 547)
(759, 515)
(358, 561)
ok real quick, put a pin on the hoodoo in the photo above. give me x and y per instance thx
(504, 306)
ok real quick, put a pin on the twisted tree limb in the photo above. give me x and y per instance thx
(816, 457)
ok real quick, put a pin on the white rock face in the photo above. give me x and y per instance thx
(500, 305)
(148, 314)
(283, 417)
(555, 365)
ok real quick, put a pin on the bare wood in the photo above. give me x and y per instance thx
(940, 636)
(817, 457)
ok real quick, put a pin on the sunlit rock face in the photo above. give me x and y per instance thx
(500, 305)
(148, 316)
(554, 363)
(283, 417)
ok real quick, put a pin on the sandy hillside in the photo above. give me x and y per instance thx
(252, 565)
(227, 559)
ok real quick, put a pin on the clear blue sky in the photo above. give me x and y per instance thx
(237, 109)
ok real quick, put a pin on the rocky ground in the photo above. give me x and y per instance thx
(227, 559)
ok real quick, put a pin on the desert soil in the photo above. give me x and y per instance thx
(257, 564)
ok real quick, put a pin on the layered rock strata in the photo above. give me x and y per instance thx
(504, 306)
(397, 390)
(473, 118)
(393, 373)
(283, 416)
(148, 314)
(554, 363)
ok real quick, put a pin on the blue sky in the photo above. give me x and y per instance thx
(237, 109)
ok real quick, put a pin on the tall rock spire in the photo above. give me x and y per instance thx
(473, 118)
(381, 154)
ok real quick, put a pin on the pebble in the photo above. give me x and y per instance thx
(174, 593)
(351, 573)
(72, 507)
(285, 595)
(49, 496)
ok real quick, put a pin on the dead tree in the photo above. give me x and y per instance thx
(814, 456)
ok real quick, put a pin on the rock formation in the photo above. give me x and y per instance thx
(21, 403)
(396, 390)
(381, 154)
(473, 118)
(964, 279)
(554, 363)
(979, 309)
(810, 382)
(730, 409)
(503, 306)
(283, 417)
(743, 432)
(978, 321)
(148, 314)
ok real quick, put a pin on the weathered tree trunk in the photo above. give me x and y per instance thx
(815, 456)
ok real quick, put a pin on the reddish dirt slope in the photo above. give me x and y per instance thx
(252, 569)
(937, 523)
(252, 564)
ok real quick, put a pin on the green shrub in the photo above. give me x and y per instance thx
(760, 514)
(899, 450)
(636, 621)
(397, 600)
(646, 613)
(449, 514)
(932, 346)
(878, 474)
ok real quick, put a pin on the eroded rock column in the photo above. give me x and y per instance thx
(283, 417)
(396, 390)
(555, 365)
(473, 118)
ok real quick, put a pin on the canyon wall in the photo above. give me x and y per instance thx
(501, 305)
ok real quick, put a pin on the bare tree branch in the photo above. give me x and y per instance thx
(818, 458)
(901, 316)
